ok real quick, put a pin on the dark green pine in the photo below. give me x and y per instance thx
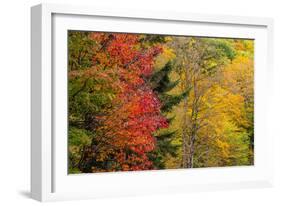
(162, 84)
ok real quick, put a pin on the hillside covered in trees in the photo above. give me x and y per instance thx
(146, 102)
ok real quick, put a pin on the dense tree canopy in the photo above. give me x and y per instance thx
(141, 102)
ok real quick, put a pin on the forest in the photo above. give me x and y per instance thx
(150, 102)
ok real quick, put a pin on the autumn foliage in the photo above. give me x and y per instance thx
(127, 128)
(124, 94)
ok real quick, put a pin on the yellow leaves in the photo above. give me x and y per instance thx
(111, 96)
(222, 102)
(168, 53)
(162, 59)
(244, 47)
(74, 149)
(191, 42)
(98, 87)
(103, 153)
(101, 157)
(224, 147)
(239, 76)
(168, 39)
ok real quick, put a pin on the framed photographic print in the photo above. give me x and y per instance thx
(135, 102)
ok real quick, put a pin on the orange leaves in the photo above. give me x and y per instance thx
(121, 86)
(129, 125)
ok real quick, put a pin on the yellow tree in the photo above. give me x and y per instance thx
(200, 61)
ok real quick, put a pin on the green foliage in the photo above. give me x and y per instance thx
(152, 39)
(223, 47)
(145, 101)
(77, 140)
(162, 84)
(171, 100)
(80, 50)
(160, 81)
(79, 137)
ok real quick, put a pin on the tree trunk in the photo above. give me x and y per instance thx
(193, 133)
(184, 126)
(191, 147)
(184, 136)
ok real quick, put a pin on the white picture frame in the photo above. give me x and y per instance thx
(49, 178)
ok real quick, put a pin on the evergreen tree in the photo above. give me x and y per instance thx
(162, 84)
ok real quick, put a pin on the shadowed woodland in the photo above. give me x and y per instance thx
(146, 102)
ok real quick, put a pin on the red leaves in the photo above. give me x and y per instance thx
(129, 126)
(121, 49)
